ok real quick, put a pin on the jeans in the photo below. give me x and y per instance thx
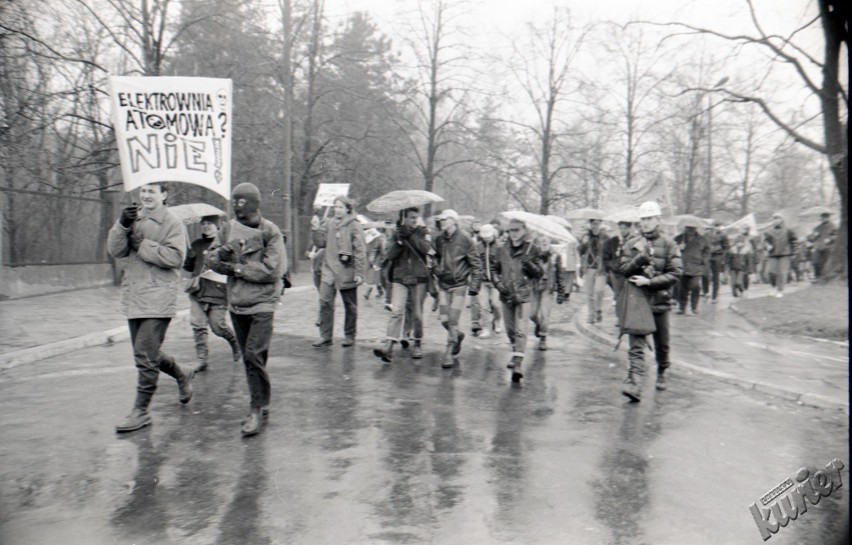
(405, 300)
(514, 318)
(350, 307)
(146, 337)
(488, 297)
(451, 303)
(690, 288)
(254, 333)
(636, 355)
(540, 305)
(595, 286)
(202, 314)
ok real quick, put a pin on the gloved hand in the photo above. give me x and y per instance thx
(129, 214)
(404, 232)
(226, 254)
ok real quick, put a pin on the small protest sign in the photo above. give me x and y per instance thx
(173, 129)
(326, 193)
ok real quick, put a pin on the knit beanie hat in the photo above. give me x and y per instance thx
(247, 191)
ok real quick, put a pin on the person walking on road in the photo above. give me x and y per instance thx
(591, 250)
(208, 297)
(459, 273)
(514, 268)
(612, 251)
(651, 262)
(375, 249)
(822, 238)
(407, 253)
(780, 243)
(488, 296)
(719, 247)
(250, 252)
(739, 264)
(154, 242)
(342, 270)
(544, 288)
(695, 251)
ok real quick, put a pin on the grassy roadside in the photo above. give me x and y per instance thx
(816, 311)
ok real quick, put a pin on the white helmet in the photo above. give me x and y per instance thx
(649, 209)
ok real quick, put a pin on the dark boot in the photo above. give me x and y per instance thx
(517, 374)
(631, 388)
(385, 352)
(253, 422)
(447, 361)
(457, 344)
(417, 351)
(182, 374)
(201, 352)
(236, 353)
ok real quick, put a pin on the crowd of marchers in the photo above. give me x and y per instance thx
(505, 272)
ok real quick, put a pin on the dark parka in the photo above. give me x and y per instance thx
(656, 257)
(514, 270)
(696, 253)
(210, 291)
(407, 257)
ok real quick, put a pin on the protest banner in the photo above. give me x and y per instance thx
(620, 200)
(173, 129)
(326, 193)
(746, 221)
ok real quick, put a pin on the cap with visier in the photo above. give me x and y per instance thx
(649, 209)
(487, 231)
(448, 214)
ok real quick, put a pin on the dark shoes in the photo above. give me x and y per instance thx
(661, 382)
(516, 363)
(404, 344)
(632, 390)
(457, 345)
(348, 341)
(319, 343)
(252, 423)
(136, 420)
(385, 352)
(185, 384)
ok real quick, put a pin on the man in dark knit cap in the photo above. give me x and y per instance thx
(208, 298)
(250, 252)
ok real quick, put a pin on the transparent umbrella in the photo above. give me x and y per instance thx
(402, 199)
(193, 212)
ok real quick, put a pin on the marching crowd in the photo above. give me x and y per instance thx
(507, 273)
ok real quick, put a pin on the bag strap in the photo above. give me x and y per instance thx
(417, 255)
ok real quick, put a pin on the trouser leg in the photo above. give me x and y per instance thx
(661, 341)
(715, 271)
(350, 307)
(416, 297)
(147, 336)
(198, 322)
(694, 289)
(636, 355)
(475, 313)
(217, 316)
(683, 291)
(399, 301)
(257, 331)
(326, 297)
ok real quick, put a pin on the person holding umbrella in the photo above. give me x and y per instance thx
(409, 276)
(459, 273)
(342, 270)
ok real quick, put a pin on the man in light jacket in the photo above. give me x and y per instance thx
(154, 242)
(250, 252)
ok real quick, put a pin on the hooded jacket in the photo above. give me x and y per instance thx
(343, 237)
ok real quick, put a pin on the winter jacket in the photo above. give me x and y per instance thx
(719, 245)
(780, 241)
(151, 279)
(611, 254)
(823, 236)
(342, 238)
(514, 270)
(254, 260)
(552, 274)
(210, 291)
(591, 248)
(656, 257)
(694, 256)
(458, 261)
(741, 259)
(407, 256)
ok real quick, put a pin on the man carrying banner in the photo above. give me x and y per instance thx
(250, 252)
(154, 241)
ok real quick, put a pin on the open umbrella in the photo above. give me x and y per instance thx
(193, 212)
(402, 199)
(585, 214)
(815, 212)
(688, 220)
(542, 224)
(560, 220)
(629, 214)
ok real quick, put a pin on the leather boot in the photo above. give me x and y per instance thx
(235, 347)
(253, 422)
(185, 383)
(632, 389)
(457, 344)
(517, 374)
(417, 351)
(385, 352)
(136, 420)
(201, 352)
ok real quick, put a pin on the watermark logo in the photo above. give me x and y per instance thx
(788, 498)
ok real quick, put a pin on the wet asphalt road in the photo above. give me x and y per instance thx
(356, 451)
